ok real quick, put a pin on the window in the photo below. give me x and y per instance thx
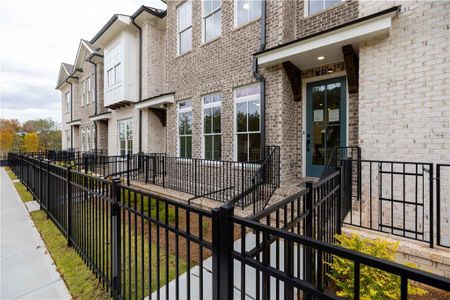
(212, 19)
(88, 139)
(92, 88)
(185, 129)
(315, 6)
(88, 90)
(113, 66)
(246, 11)
(83, 93)
(184, 17)
(248, 127)
(83, 139)
(68, 139)
(93, 137)
(212, 136)
(68, 102)
(125, 137)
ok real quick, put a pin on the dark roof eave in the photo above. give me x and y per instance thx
(157, 96)
(65, 81)
(144, 8)
(100, 114)
(104, 28)
(356, 21)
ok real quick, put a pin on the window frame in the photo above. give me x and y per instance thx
(180, 31)
(68, 96)
(68, 138)
(205, 16)
(83, 92)
(244, 99)
(307, 10)
(83, 138)
(180, 111)
(205, 106)
(236, 23)
(88, 90)
(127, 150)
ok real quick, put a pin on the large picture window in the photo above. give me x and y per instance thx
(314, 6)
(185, 129)
(184, 27)
(212, 133)
(248, 123)
(125, 137)
(212, 19)
(246, 11)
(113, 66)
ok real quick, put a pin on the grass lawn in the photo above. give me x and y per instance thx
(79, 279)
(10, 173)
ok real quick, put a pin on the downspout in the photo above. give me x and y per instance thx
(140, 82)
(95, 101)
(258, 76)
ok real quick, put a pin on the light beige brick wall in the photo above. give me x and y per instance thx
(153, 133)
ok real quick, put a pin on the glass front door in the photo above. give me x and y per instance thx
(325, 122)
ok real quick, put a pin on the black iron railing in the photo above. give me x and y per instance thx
(140, 244)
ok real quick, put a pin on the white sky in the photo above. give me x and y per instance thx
(36, 36)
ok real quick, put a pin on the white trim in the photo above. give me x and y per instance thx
(304, 106)
(156, 102)
(183, 110)
(353, 33)
(235, 102)
(100, 117)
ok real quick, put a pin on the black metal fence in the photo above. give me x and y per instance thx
(142, 245)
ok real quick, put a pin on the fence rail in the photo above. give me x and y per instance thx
(142, 245)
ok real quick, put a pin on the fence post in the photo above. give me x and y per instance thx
(48, 188)
(116, 240)
(222, 247)
(40, 184)
(128, 169)
(431, 206)
(438, 204)
(154, 169)
(339, 208)
(69, 205)
(309, 232)
(85, 163)
(195, 177)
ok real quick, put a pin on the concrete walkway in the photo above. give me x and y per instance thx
(27, 270)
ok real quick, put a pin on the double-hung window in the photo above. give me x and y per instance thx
(185, 129)
(83, 93)
(68, 139)
(314, 6)
(88, 90)
(246, 11)
(83, 139)
(248, 123)
(113, 66)
(88, 139)
(184, 27)
(92, 88)
(212, 19)
(125, 137)
(212, 133)
(93, 137)
(68, 102)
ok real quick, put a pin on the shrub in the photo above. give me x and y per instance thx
(374, 283)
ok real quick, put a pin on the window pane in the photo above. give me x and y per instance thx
(209, 28)
(330, 3)
(185, 104)
(315, 6)
(242, 12)
(189, 147)
(182, 146)
(130, 147)
(216, 120)
(241, 117)
(217, 23)
(208, 147)
(217, 147)
(242, 147)
(255, 142)
(255, 9)
(253, 116)
(207, 120)
(208, 7)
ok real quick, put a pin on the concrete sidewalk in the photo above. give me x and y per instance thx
(27, 270)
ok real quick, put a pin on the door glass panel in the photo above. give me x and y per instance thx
(333, 102)
(319, 126)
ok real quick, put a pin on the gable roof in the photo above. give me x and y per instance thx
(65, 70)
(151, 10)
(85, 49)
(108, 24)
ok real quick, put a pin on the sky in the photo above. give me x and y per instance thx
(36, 36)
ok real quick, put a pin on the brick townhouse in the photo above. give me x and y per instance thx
(220, 80)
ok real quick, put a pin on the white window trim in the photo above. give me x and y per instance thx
(240, 100)
(183, 30)
(130, 120)
(68, 100)
(306, 8)
(92, 88)
(88, 90)
(210, 105)
(235, 22)
(82, 139)
(203, 22)
(182, 110)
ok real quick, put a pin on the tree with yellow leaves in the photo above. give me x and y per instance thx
(31, 142)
